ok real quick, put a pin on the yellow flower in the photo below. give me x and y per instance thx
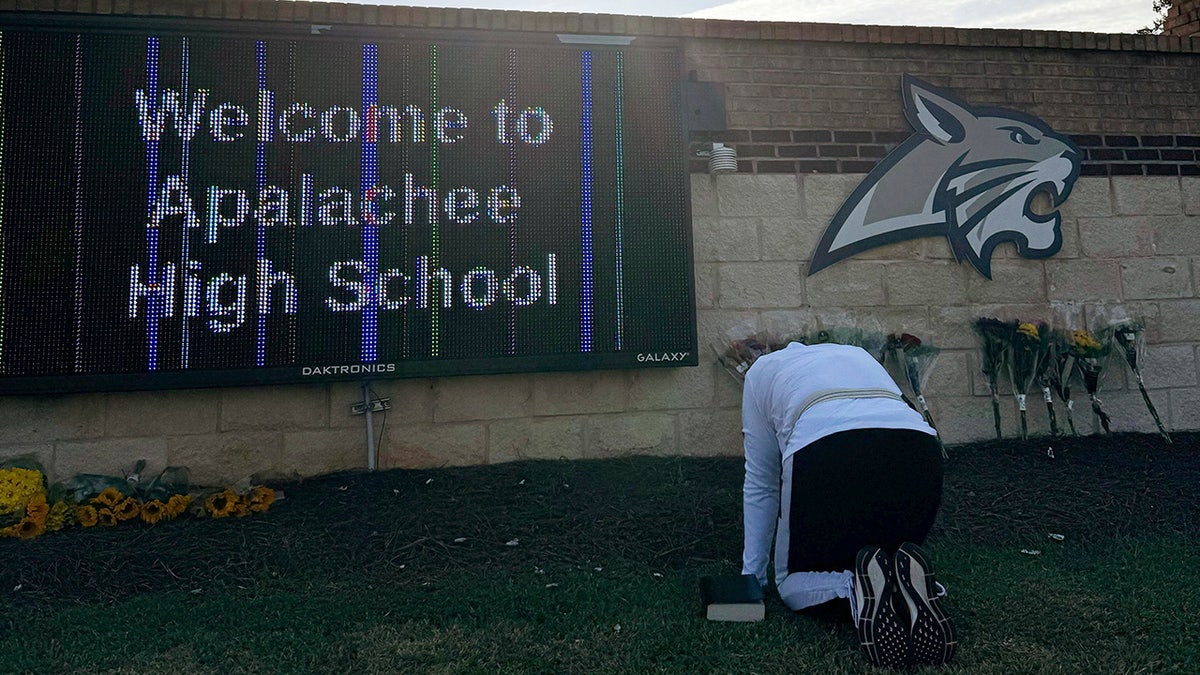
(261, 499)
(1083, 340)
(109, 497)
(29, 528)
(153, 511)
(87, 516)
(58, 516)
(37, 510)
(106, 517)
(176, 505)
(127, 509)
(17, 487)
(1029, 330)
(221, 504)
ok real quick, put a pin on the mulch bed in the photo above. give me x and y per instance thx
(671, 513)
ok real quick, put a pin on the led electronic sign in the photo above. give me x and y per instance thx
(196, 207)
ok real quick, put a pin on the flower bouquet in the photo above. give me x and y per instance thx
(873, 342)
(736, 356)
(1091, 356)
(1026, 353)
(1060, 368)
(1043, 376)
(1130, 338)
(916, 360)
(24, 510)
(28, 508)
(993, 346)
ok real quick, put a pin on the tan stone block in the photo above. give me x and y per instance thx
(426, 446)
(672, 388)
(1013, 281)
(950, 376)
(109, 456)
(1158, 277)
(1124, 237)
(226, 458)
(296, 406)
(40, 453)
(824, 194)
(1184, 407)
(535, 438)
(714, 328)
(460, 399)
(1147, 195)
(725, 239)
(311, 453)
(728, 390)
(30, 419)
(704, 195)
(1126, 411)
(787, 324)
(1191, 195)
(911, 249)
(1083, 279)
(630, 434)
(714, 433)
(748, 195)
(791, 238)
(1179, 320)
(926, 283)
(155, 413)
(938, 248)
(1177, 236)
(706, 285)
(1091, 196)
(1071, 246)
(965, 419)
(411, 401)
(1100, 314)
(1169, 366)
(759, 285)
(849, 283)
(580, 393)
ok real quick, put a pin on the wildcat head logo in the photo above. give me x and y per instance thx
(968, 174)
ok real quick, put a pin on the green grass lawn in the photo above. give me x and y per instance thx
(363, 573)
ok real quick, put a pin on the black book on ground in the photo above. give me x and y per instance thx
(732, 598)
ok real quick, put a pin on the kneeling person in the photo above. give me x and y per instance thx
(846, 478)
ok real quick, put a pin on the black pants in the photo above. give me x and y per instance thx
(864, 487)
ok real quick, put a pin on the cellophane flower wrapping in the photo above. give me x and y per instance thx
(1091, 357)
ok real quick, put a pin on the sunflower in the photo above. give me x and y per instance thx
(59, 513)
(106, 517)
(87, 516)
(176, 505)
(153, 511)
(29, 528)
(261, 499)
(109, 497)
(128, 509)
(221, 504)
(37, 510)
(1029, 330)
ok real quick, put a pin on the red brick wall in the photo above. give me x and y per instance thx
(826, 97)
(1183, 19)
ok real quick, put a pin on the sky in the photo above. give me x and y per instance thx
(1100, 16)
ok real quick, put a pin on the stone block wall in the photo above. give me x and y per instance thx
(1130, 250)
(811, 109)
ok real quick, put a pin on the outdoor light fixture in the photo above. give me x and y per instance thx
(721, 158)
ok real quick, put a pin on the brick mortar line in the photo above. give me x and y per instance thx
(300, 11)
